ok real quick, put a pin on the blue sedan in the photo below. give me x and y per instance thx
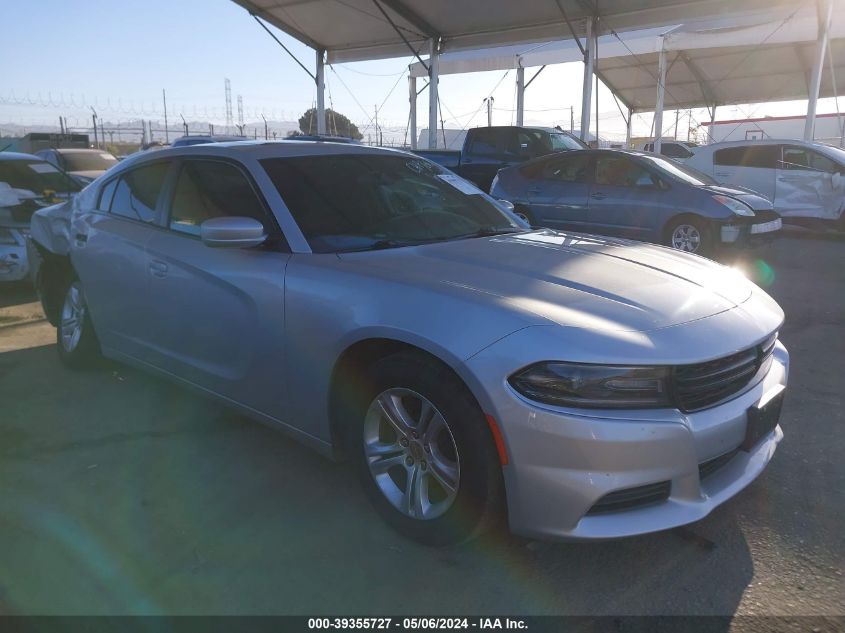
(635, 195)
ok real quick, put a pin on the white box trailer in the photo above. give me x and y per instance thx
(829, 129)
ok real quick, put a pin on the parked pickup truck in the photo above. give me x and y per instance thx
(486, 150)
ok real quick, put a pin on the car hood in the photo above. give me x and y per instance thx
(569, 279)
(753, 199)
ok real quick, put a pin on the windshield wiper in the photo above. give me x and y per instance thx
(489, 231)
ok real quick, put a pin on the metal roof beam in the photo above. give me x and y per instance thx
(270, 18)
(695, 71)
(412, 18)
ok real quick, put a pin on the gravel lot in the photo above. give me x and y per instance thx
(120, 493)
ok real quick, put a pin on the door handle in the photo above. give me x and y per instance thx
(158, 268)
(533, 191)
(598, 195)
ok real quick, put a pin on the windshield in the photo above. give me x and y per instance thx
(562, 142)
(359, 202)
(88, 161)
(679, 171)
(37, 176)
(836, 153)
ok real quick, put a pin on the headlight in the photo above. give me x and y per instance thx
(594, 386)
(740, 208)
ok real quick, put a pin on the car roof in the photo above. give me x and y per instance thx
(62, 150)
(19, 156)
(258, 150)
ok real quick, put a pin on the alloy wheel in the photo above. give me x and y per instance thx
(687, 238)
(73, 317)
(411, 453)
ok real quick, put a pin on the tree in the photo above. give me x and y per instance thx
(336, 124)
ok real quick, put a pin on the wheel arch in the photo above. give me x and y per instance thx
(346, 382)
(52, 276)
(672, 220)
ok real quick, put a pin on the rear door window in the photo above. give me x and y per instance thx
(760, 156)
(137, 192)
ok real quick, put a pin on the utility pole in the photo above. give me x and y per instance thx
(241, 114)
(376, 122)
(266, 133)
(166, 133)
(228, 88)
(94, 119)
(184, 124)
(489, 101)
(677, 115)
(571, 119)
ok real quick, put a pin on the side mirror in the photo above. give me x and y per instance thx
(507, 204)
(232, 232)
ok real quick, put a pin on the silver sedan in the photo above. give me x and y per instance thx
(379, 308)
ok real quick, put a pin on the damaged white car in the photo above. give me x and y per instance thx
(27, 184)
(805, 181)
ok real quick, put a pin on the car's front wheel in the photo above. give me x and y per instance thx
(525, 215)
(426, 457)
(75, 338)
(691, 235)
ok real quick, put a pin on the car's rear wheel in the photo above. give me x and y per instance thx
(426, 458)
(691, 235)
(75, 338)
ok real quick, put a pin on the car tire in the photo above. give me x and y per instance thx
(425, 454)
(524, 214)
(690, 234)
(76, 340)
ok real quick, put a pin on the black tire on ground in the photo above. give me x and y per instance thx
(82, 351)
(525, 214)
(696, 226)
(479, 503)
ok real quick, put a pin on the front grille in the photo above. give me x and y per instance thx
(701, 385)
(705, 469)
(632, 498)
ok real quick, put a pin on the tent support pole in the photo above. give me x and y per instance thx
(661, 93)
(412, 101)
(320, 80)
(433, 80)
(520, 96)
(710, 133)
(628, 122)
(826, 7)
(587, 91)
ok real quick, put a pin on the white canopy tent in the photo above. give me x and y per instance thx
(774, 55)
(357, 30)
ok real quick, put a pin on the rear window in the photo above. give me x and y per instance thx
(36, 176)
(88, 161)
(763, 156)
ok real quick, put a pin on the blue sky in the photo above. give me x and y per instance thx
(117, 55)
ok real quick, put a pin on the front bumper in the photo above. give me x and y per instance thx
(751, 231)
(562, 462)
